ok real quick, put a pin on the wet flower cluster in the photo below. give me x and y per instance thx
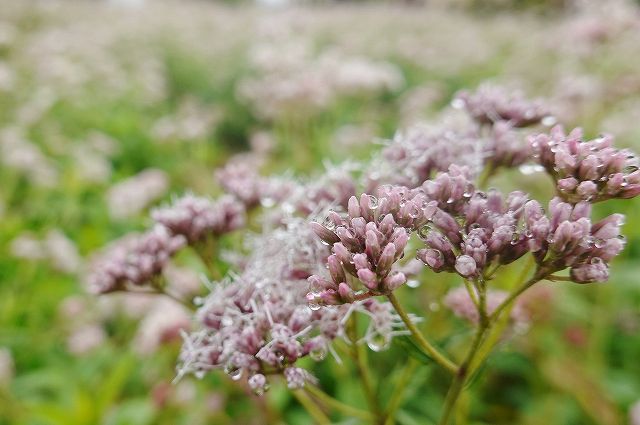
(366, 244)
(326, 252)
(133, 261)
(196, 217)
(490, 104)
(257, 323)
(591, 170)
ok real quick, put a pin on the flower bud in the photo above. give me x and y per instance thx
(466, 265)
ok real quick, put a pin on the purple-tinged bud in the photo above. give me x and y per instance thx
(347, 238)
(386, 260)
(615, 184)
(387, 224)
(342, 253)
(346, 293)
(393, 281)
(501, 237)
(516, 201)
(611, 249)
(319, 284)
(532, 212)
(372, 245)
(581, 210)
(568, 184)
(368, 278)
(360, 261)
(326, 297)
(368, 204)
(400, 240)
(334, 218)
(448, 225)
(335, 269)
(608, 227)
(562, 236)
(560, 211)
(565, 162)
(587, 190)
(432, 258)
(297, 377)
(353, 208)
(588, 169)
(594, 271)
(466, 265)
(630, 191)
(359, 225)
(258, 383)
(324, 233)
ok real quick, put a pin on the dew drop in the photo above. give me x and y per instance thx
(548, 121)
(528, 169)
(378, 342)
(413, 283)
(457, 103)
(373, 203)
(234, 372)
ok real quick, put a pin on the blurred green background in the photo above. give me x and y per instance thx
(94, 93)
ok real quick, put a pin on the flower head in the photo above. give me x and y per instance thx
(490, 104)
(591, 170)
(135, 260)
(196, 218)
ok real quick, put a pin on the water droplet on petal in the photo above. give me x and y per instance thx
(413, 283)
(378, 342)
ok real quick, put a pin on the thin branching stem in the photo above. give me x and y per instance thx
(345, 409)
(359, 358)
(432, 351)
(316, 413)
(398, 392)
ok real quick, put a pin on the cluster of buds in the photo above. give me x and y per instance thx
(490, 104)
(422, 151)
(135, 260)
(241, 179)
(366, 244)
(468, 230)
(257, 323)
(587, 170)
(196, 218)
(568, 239)
(334, 188)
(505, 147)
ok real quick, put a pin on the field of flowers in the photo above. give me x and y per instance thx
(183, 238)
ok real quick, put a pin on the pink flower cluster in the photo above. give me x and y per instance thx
(490, 104)
(134, 260)
(587, 170)
(196, 218)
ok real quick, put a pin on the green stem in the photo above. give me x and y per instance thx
(461, 375)
(207, 251)
(419, 338)
(470, 365)
(398, 393)
(359, 358)
(515, 294)
(314, 411)
(487, 173)
(345, 409)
